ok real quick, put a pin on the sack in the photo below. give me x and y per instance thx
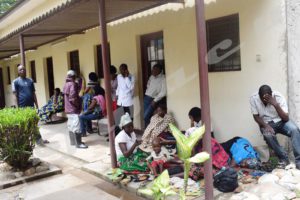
(242, 149)
(226, 180)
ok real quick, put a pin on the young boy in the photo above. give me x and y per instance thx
(159, 156)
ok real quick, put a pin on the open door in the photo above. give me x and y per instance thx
(49, 62)
(152, 52)
(2, 94)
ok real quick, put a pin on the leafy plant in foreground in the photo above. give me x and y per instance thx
(18, 132)
(185, 146)
(160, 188)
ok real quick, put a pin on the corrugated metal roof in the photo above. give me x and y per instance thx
(70, 18)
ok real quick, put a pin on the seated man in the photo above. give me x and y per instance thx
(156, 92)
(270, 111)
(54, 105)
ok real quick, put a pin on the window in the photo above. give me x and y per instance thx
(32, 70)
(74, 61)
(99, 67)
(223, 44)
(8, 75)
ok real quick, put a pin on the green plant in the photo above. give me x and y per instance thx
(160, 187)
(185, 146)
(18, 132)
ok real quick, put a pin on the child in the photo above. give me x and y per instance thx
(159, 156)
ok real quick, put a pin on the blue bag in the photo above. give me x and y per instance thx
(242, 149)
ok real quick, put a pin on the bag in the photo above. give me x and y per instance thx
(226, 180)
(219, 156)
(242, 149)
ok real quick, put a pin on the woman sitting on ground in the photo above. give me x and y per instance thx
(96, 110)
(219, 156)
(158, 127)
(130, 158)
(54, 105)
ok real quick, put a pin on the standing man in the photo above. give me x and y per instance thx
(270, 111)
(73, 107)
(156, 91)
(24, 94)
(24, 90)
(125, 89)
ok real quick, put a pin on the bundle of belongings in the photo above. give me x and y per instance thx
(244, 155)
(226, 180)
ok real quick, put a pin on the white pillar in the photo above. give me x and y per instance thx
(293, 59)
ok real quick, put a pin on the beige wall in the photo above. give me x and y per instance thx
(262, 32)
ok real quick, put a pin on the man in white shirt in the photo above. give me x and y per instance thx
(270, 111)
(125, 89)
(156, 91)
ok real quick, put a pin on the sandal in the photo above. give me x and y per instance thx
(126, 180)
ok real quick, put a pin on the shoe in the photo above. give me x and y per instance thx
(79, 143)
(91, 131)
(46, 142)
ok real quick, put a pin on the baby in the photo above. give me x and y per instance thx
(159, 156)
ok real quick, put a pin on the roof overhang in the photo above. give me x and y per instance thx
(70, 18)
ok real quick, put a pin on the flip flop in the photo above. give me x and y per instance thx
(46, 142)
(119, 178)
(140, 177)
(126, 180)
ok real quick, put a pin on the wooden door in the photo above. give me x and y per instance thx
(2, 94)
(152, 52)
(49, 62)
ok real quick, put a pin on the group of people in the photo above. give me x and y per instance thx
(123, 90)
(269, 109)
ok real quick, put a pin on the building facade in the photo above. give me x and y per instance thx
(255, 53)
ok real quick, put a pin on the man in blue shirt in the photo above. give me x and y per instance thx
(24, 92)
(23, 89)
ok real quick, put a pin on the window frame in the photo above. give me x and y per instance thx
(231, 21)
(74, 66)
(98, 62)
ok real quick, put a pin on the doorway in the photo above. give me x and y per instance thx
(49, 63)
(152, 52)
(2, 94)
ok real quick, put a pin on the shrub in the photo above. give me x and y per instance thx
(18, 132)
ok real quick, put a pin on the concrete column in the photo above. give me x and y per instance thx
(293, 58)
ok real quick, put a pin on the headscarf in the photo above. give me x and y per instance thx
(125, 119)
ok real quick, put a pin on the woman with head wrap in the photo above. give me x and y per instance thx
(129, 156)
